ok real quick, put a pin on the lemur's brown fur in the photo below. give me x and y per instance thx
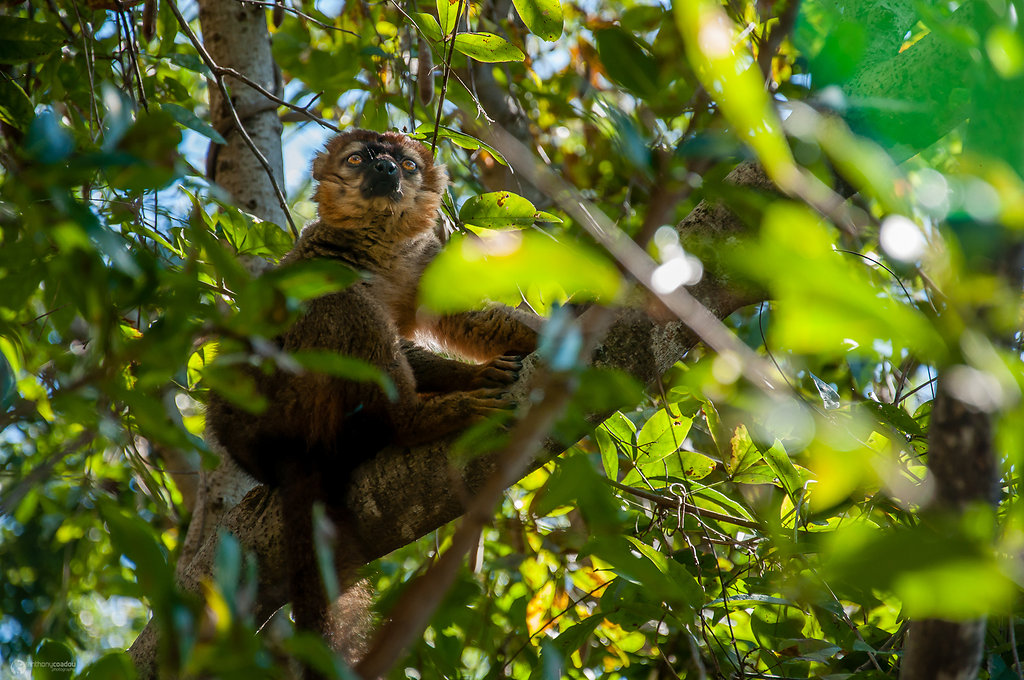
(378, 197)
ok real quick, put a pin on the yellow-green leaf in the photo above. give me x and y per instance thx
(472, 270)
(487, 47)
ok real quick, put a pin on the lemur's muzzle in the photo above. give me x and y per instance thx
(382, 178)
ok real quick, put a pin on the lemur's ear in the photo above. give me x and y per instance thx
(320, 165)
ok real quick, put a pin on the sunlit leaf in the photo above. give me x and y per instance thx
(428, 24)
(448, 14)
(542, 17)
(782, 466)
(502, 210)
(487, 47)
(846, 311)
(940, 572)
(1005, 51)
(499, 266)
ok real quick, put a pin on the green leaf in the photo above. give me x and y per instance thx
(643, 565)
(110, 666)
(846, 311)
(253, 236)
(742, 452)
(609, 453)
(778, 460)
(938, 569)
(542, 17)
(428, 24)
(47, 140)
(135, 539)
(575, 636)
(189, 61)
(24, 40)
(663, 433)
(626, 62)
(192, 122)
(448, 14)
(471, 271)
(660, 456)
(53, 660)
(15, 106)
(894, 416)
(730, 74)
(426, 132)
(227, 564)
(7, 382)
(234, 384)
(502, 210)
(487, 47)
(575, 482)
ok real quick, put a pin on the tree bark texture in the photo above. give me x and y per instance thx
(964, 470)
(235, 35)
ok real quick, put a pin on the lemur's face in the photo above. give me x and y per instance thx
(366, 174)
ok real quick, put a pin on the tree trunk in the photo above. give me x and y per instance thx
(964, 470)
(235, 35)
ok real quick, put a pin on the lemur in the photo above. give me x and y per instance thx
(378, 196)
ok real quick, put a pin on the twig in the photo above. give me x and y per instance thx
(1013, 648)
(554, 618)
(123, 14)
(219, 72)
(688, 507)
(918, 388)
(444, 80)
(299, 13)
(13, 497)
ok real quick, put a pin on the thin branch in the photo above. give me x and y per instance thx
(219, 72)
(13, 497)
(918, 388)
(444, 80)
(299, 13)
(675, 504)
(554, 618)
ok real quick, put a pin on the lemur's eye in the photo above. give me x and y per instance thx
(354, 159)
(409, 165)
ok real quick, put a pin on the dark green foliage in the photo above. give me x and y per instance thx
(706, 527)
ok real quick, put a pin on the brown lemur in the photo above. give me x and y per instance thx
(377, 197)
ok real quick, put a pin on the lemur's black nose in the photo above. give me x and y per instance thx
(385, 166)
(382, 178)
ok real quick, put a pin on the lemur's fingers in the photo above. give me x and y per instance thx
(491, 400)
(499, 371)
